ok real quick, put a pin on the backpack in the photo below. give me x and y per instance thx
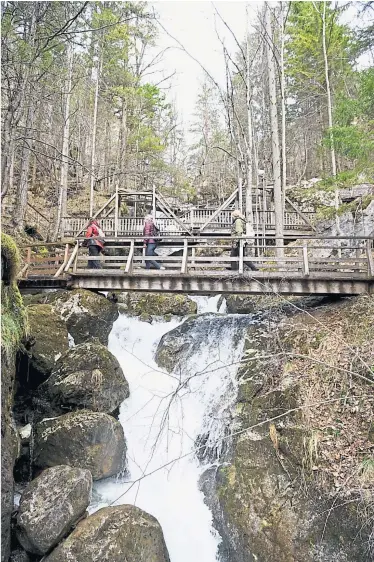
(156, 233)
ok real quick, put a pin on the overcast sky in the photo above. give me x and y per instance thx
(193, 23)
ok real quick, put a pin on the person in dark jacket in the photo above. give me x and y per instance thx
(238, 228)
(95, 243)
(150, 232)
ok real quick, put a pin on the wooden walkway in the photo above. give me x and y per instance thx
(318, 265)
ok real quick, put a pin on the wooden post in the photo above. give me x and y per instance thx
(73, 254)
(370, 258)
(192, 217)
(76, 258)
(193, 252)
(241, 256)
(129, 262)
(154, 201)
(240, 195)
(185, 256)
(116, 209)
(66, 258)
(305, 260)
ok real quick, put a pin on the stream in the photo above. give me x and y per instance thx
(166, 414)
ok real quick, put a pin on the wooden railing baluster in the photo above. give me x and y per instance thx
(129, 263)
(370, 258)
(185, 256)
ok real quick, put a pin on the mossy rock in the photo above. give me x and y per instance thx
(50, 505)
(10, 259)
(156, 304)
(82, 439)
(87, 314)
(89, 377)
(50, 337)
(117, 534)
(13, 315)
(13, 328)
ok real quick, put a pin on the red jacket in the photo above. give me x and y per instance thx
(92, 231)
(149, 232)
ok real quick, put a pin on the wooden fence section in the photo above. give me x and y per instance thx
(45, 260)
(195, 219)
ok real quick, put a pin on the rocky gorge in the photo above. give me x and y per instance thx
(257, 422)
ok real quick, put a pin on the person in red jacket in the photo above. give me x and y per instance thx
(150, 233)
(95, 243)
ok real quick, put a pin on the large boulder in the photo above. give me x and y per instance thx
(156, 304)
(50, 339)
(87, 315)
(83, 439)
(50, 505)
(115, 534)
(87, 376)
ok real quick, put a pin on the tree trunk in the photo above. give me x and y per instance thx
(62, 200)
(275, 146)
(329, 113)
(249, 191)
(22, 192)
(94, 126)
(283, 98)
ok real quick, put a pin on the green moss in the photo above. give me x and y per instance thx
(13, 314)
(10, 252)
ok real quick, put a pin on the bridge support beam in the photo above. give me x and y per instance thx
(221, 285)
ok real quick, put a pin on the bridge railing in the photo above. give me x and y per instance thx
(194, 219)
(45, 260)
(329, 256)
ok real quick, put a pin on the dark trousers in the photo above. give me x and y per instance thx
(235, 265)
(94, 250)
(150, 251)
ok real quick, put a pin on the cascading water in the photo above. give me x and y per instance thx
(164, 418)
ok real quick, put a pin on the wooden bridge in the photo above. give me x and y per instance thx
(317, 265)
(176, 221)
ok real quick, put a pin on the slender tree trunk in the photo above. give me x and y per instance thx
(283, 97)
(62, 200)
(22, 192)
(94, 127)
(276, 154)
(329, 113)
(249, 191)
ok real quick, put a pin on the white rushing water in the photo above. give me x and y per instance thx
(161, 426)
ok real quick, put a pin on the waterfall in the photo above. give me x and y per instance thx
(162, 425)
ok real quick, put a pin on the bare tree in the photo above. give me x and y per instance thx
(62, 200)
(275, 145)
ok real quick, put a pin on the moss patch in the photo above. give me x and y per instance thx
(156, 304)
(13, 314)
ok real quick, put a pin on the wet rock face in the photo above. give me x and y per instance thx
(50, 505)
(114, 534)
(273, 501)
(155, 304)
(87, 376)
(185, 340)
(83, 439)
(51, 338)
(87, 315)
(9, 452)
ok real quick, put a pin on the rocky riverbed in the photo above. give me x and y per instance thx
(285, 446)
